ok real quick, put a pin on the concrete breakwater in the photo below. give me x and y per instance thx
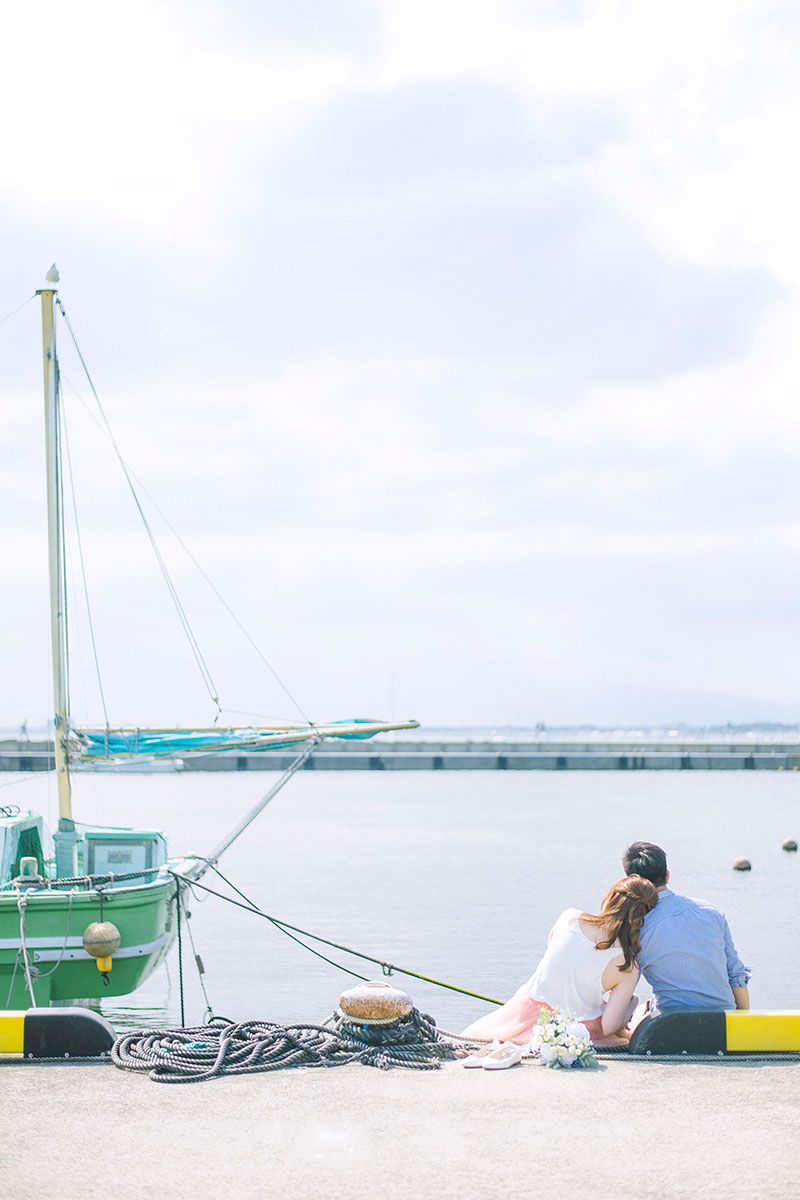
(465, 755)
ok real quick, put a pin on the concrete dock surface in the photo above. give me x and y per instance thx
(646, 1129)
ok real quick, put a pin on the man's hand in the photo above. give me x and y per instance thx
(741, 996)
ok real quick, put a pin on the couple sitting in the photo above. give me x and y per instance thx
(591, 966)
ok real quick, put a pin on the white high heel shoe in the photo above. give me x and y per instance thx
(507, 1054)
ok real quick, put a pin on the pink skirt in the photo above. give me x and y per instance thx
(514, 1021)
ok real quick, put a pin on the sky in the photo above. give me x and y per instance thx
(456, 340)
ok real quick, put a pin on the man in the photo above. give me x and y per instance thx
(687, 955)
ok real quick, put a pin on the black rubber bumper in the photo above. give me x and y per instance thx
(690, 1031)
(55, 1033)
(699, 1031)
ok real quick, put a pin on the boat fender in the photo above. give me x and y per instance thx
(101, 939)
(375, 1002)
(703, 1031)
(55, 1033)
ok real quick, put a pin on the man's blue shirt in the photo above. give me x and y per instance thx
(688, 956)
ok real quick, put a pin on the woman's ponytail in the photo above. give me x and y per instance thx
(622, 914)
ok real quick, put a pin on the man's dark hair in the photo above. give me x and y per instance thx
(647, 860)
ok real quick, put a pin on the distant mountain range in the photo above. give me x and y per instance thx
(623, 707)
(628, 706)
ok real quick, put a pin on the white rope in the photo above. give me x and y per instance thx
(62, 952)
(21, 904)
(13, 977)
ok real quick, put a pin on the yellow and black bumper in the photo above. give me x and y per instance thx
(698, 1031)
(54, 1033)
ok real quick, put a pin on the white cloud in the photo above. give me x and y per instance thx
(135, 123)
(457, 341)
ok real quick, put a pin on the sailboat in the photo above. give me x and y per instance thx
(91, 912)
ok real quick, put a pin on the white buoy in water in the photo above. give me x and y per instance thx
(742, 864)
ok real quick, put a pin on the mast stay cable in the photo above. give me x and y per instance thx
(208, 580)
(226, 606)
(14, 311)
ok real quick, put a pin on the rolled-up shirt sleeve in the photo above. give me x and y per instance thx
(738, 973)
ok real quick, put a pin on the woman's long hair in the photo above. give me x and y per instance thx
(627, 904)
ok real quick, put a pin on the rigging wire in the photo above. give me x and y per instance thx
(182, 616)
(198, 962)
(14, 312)
(228, 609)
(30, 777)
(209, 581)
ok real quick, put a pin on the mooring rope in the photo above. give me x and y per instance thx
(91, 882)
(21, 905)
(248, 1047)
(97, 882)
(287, 929)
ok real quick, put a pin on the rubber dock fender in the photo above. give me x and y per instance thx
(55, 1033)
(699, 1031)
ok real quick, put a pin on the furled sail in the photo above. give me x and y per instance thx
(88, 745)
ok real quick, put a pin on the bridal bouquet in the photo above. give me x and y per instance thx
(561, 1041)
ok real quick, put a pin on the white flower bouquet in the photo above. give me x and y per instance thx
(559, 1040)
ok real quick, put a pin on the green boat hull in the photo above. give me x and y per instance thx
(54, 924)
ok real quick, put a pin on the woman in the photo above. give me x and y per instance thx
(589, 969)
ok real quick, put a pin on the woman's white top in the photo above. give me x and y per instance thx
(569, 977)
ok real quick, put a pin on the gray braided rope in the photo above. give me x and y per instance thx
(226, 1048)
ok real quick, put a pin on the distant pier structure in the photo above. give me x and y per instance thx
(463, 754)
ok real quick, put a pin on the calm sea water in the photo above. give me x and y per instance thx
(454, 875)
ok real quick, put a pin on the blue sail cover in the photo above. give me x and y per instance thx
(86, 745)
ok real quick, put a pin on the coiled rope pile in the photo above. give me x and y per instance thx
(248, 1047)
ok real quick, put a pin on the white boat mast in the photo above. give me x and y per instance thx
(56, 550)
